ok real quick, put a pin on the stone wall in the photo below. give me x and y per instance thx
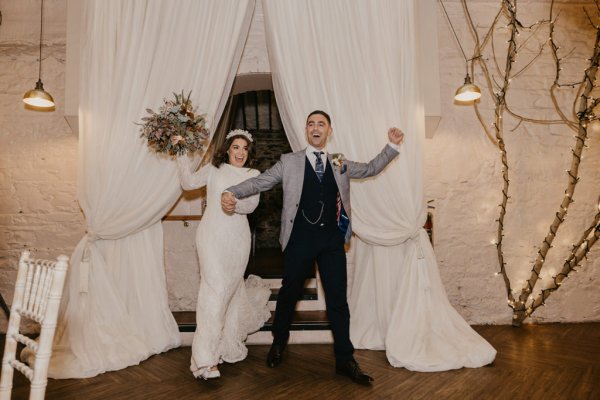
(38, 162)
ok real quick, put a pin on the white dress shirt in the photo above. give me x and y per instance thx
(313, 158)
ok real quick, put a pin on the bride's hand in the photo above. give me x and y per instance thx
(228, 201)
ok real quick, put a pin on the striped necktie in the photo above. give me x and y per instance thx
(319, 167)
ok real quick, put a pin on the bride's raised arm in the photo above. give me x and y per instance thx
(191, 180)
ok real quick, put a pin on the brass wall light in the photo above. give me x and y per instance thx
(38, 98)
(468, 92)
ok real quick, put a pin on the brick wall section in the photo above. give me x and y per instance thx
(463, 175)
(38, 152)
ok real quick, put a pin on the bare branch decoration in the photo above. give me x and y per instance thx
(523, 302)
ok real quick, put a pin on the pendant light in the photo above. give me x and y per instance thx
(468, 92)
(38, 98)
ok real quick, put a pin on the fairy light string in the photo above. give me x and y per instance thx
(578, 252)
(591, 234)
(523, 302)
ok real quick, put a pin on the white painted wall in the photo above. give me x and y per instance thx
(464, 180)
(38, 152)
(38, 162)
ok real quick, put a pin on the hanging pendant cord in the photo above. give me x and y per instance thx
(455, 35)
(41, 25)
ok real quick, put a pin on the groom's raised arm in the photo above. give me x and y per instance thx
(377, 164)
(358, 170)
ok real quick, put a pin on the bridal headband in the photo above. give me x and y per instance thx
(239, 132)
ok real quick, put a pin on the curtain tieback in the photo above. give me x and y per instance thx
(416, 238)
(91, 236)
(84, 265)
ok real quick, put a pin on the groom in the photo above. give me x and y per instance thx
(315, 224)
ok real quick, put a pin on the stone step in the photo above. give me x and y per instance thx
(312, 298)
(275, 283)
(309, 293)
(303, 321)
(307, 327)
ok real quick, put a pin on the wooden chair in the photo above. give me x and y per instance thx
(38, 290)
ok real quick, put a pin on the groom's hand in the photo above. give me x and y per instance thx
(396, 136)
(228, 202)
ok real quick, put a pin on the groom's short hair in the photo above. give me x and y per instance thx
(323, 113)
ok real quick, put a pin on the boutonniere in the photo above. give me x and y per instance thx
(337, 160)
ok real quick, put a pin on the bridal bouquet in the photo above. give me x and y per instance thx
(175, 129)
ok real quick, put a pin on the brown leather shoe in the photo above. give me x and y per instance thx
(351, 369)
(275, 355)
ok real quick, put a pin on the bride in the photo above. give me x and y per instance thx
(228, 308)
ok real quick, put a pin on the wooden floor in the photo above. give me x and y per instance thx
(555, 361)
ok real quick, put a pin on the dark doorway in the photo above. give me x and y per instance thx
(256, 112)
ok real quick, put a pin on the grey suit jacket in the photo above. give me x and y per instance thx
(290, 170)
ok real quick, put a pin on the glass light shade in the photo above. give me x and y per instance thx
(468, 91)
(38, 97)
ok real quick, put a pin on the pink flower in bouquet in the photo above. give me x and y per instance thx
(176, 139)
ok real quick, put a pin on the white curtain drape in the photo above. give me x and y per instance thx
(115, 311)
(359, 63)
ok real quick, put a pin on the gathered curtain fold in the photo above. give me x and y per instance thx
(134, 53)
(359, 64)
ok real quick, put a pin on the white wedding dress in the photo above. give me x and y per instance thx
(228, 308)
(402, 308)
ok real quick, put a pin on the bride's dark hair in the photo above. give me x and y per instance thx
(221, 155)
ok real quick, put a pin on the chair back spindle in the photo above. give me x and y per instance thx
(38, 290)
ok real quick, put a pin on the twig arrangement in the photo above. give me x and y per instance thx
(578, 119)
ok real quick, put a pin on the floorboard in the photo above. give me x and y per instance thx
(553, 361)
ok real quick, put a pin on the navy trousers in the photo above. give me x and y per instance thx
(326, 246)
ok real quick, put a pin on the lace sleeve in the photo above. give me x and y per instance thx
(248, 205)
(189, 180)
